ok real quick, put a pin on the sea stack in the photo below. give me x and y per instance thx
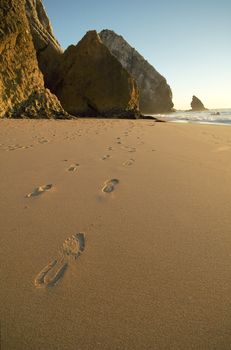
(197, 105)
(92, 82)
(155, 93)
(21, 81)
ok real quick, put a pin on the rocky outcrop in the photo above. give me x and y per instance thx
(79, 77)
(20, 76)
(40, 104)
(92, 82)
(155, 93)
(197, 105)
(47, 47)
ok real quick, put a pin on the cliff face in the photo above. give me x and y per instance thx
(197, 105)
(155, 93)
(47, 47)
(20, 77)
(92, 82)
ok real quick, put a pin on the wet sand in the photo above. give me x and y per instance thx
(115, 234)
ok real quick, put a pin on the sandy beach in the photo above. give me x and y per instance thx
(153, 202)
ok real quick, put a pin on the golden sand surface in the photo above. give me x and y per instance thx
(115, 234)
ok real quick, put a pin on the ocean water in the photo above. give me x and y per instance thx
(207, 117)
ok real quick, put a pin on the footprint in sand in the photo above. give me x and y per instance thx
(12, 147)
(71, 249)
(73, 167)
(16, 147)
(129, 162)
(107, 156)
(42, 140)
(109, 185)
(130, 149)
(39, 190)
(118, 141)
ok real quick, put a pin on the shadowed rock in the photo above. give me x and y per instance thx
(40, 104)
(20, 76)
(47, 47)
(197, 105)
(92, 82)
(155, 93)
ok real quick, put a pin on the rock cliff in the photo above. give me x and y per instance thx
(197, 105)
(155, 93)
(92, 82)
(47, 47)
(20, 78)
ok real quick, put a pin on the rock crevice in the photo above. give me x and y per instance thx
(46, 45)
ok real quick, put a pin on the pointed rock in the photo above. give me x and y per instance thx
(197, 105)
(155, 93)
(92, 82)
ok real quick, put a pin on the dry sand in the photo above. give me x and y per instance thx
(152, 270)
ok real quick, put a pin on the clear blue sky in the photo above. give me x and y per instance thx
(188, 42)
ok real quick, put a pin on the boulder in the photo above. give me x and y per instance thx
(20, 76)
(155, 93)
(92, 82)
(197, 105)
(47, 47)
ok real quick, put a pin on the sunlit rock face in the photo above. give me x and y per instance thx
(197, 105)
(92, 82)
(47, 47)
(20, 76)
(155, 93)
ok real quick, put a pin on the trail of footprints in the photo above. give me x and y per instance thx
(37, 140)
(70, 251)
(109, 186)
(15, 147)
(73, 246)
